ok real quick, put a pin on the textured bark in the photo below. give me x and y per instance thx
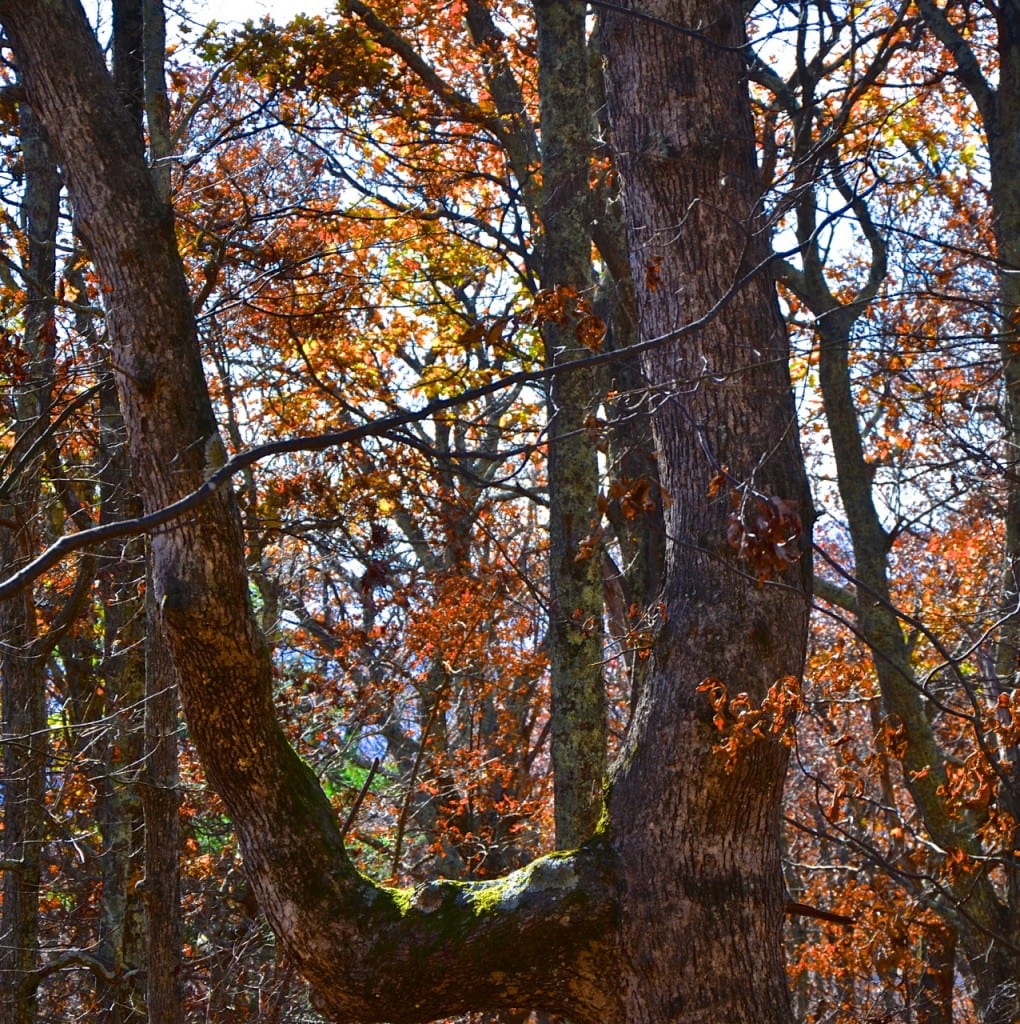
(23, 802)
(161, 893)
(636, 516)
(576, 633)
(122, 675)
(672, 912)
(703, 841)
(140, 39)
(24, 757)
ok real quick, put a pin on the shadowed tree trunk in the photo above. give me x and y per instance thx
(22, 663)
(672, 912)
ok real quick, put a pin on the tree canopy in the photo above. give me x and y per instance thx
(513, 509)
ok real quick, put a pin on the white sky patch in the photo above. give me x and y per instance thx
(240, 11)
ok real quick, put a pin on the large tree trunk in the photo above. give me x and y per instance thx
(704, 840)
(673, 911)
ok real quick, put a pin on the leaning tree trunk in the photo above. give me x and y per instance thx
(672, 912)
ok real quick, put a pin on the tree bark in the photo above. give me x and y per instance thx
(23, 687)
(161, 892)
(576, 631)
(138, 72)
(1000, 979)
(704, 839)
(122, 675)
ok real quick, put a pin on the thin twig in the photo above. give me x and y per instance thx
(361, 796)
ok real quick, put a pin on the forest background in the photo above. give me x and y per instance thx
(359, 204)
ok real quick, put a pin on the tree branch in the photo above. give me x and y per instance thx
(795, 909)
(151, 522)
(968, 70)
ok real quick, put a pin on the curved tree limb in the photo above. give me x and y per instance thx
(537, 937)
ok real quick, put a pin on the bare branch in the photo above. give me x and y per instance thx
(382, 427)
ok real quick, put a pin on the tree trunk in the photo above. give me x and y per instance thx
(122, 675)
(672, 912)
(138, 72)
(998, 974)
(23, 688)
(576, 632)
(161, 894)
(703, 839)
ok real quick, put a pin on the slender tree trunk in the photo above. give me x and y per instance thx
(576, 633)
(22, 690)
(24, 723)
(24, 758)
(120, 811)
(999, 973)
(161, 893)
